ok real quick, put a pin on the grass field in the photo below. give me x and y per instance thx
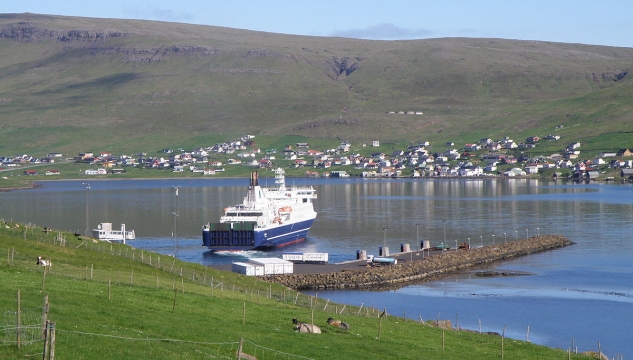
(112, 301)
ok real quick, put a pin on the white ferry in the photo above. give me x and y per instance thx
(267, 218)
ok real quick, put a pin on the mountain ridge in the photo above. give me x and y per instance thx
(72, 84)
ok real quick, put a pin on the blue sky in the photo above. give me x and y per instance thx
(604, 22)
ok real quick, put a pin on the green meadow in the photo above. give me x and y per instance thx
(111, 301)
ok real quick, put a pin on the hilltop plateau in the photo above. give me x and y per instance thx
(73, 84)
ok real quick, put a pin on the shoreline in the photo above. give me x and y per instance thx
(356, 274)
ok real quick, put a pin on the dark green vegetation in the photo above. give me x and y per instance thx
(77, 84)
(143, 317)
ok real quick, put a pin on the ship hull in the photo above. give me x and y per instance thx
(223, 237)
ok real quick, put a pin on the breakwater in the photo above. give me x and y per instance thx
(429, 268)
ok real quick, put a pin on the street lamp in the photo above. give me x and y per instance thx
(493, 239)
(417, 233)
(537, 233)
(481, 238)
(526, 234)
(175, 230)
(87, 233)
(384, 237)
(469, 243)
(505, 238)
(516, 235)
(455, 245)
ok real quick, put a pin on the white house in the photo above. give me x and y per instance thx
(99, 171)
(531, 169)
(470, 171)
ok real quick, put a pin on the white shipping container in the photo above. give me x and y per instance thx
(306, 257)
(274, 266)
(247, 269)
(315, 257)
(292, 256)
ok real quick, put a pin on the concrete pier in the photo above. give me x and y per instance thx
(450, 261)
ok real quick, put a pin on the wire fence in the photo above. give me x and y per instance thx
(163, 273)
(29, 331)
(181, 276)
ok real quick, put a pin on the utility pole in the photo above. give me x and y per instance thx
(87, 232)
(174, 233)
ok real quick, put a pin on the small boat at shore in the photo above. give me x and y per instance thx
(104, 232)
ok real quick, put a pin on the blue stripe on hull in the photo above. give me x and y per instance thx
(266, 239)
(282, 235)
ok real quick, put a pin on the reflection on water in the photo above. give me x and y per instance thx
(572, 291)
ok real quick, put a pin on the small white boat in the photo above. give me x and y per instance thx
(104, 232)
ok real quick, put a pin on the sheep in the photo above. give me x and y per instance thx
(305, 328)
(338, 323)
(43, 262)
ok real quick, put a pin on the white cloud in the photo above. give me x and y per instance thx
(383, 32)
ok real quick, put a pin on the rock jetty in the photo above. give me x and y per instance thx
(429, 268)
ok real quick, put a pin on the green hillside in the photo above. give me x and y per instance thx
(71, 84)
(115, 302)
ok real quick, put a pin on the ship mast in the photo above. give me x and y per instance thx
(280, 179)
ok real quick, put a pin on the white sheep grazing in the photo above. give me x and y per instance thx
(305, 328)
(43, 262)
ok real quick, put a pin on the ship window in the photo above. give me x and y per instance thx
(244, 213)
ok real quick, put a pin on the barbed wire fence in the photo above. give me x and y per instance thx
(29, 328)
(183, 276)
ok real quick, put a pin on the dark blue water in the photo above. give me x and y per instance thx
(582, 292)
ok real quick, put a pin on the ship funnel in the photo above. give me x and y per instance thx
(254, 180)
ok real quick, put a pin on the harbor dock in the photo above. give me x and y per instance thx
(416, 265)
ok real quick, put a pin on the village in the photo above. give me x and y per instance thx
(486, 157)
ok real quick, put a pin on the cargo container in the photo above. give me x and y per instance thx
(274, 266)
(247, 269)
(308, 258)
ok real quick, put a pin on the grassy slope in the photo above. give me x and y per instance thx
(208, 321)
(86, 95)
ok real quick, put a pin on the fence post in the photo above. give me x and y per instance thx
(52, 355)
(44, 278)
(47, 336)
(599, 351)
(109, 288)
(239, 350)
(19, 320)
(503, 335)
(44, 316)
(175, 295)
